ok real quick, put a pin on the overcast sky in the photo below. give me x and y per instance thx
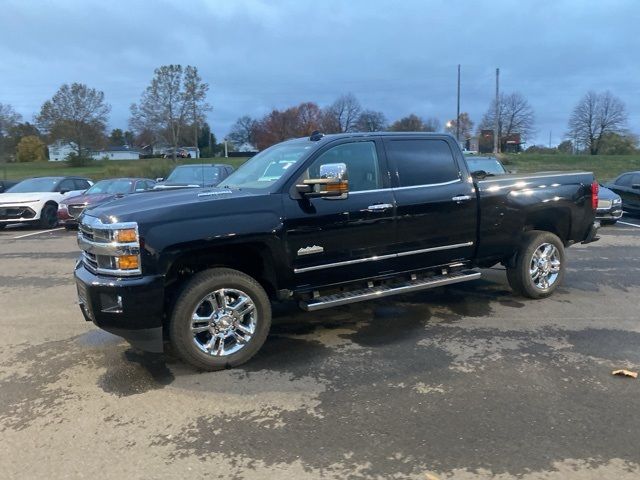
(399, 57)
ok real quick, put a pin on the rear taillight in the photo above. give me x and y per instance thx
(594, 194)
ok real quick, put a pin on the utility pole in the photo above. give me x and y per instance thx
(226, 152)
(550, 138)
(496, 140)
(458, 110)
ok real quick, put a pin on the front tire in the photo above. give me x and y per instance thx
(540, 265)
(220, 320)
(48, 216)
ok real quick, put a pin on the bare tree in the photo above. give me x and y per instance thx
(466, 127)
(175, 96)
(515, 117)
(371, 121)
(341, 116)
(594, 117)
(9, 118)
(431, 124)
(76, 114)
(243, 131)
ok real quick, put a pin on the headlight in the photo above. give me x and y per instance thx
(63, 206)
(617, 200)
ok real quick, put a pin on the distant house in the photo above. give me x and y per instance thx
(508, 143)
(124, 152)
(60, 150)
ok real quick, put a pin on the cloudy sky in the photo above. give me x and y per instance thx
(399, 57)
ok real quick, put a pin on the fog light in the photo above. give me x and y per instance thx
(127, 262)
(126, 236)
(110, 303)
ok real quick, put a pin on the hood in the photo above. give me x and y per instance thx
(606, 194)
(158, 204)
(89, 199)
(25, 197)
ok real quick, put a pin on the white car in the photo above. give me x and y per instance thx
(36, 200)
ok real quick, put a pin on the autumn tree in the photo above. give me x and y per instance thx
(466, 127)
(30, 149)
(175, 98)
(594, 117)
(371, 121)
(342, 115)
(413, 123)
(515, 116)
(76, 114)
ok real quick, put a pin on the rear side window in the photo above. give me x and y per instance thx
(624, 180)
(423, 162)
(81, 184)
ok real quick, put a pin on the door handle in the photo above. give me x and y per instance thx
(378, 207)
(461, 198)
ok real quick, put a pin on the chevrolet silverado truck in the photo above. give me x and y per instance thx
(325, 220)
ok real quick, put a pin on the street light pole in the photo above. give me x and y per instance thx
(226, 152)
(458, 109)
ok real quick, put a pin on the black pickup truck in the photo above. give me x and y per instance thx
(326, 221)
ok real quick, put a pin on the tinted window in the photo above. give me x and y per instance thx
(363, 170)
(624, 180)
(149, 184)
(423, 162)
(67, 185)
(81, 184)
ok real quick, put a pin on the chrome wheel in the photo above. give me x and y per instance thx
(545, 266)
(223, 322)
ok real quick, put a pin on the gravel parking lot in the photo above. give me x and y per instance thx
(464, 382)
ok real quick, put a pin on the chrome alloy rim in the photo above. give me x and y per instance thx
(545, 266)
(223, 322)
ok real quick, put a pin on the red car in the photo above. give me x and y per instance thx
(103, 191)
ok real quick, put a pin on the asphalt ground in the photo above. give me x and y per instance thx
(462, 382)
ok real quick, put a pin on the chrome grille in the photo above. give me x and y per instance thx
(76, 210)
(100, 251)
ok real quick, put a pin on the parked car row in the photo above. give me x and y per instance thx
(48, 201)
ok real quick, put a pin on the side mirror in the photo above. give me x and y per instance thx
(64, 192)
(159, 179)
(333, 183)
(636, 186)
(479, 175)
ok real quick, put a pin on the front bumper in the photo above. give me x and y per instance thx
(609, 214)
(131, 308)
(18, 213)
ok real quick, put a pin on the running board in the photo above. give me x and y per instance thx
(380, 291)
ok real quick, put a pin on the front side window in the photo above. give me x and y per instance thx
(361, 160)
(67, 186)
(423, 162)
(624, 180)
(45, 184)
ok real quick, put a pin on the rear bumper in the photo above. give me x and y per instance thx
(131, 308)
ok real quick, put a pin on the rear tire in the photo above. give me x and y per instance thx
(220, 320)
(540, 265)
(48, 216)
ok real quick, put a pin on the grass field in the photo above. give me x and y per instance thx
(606, 167)
(148, 168)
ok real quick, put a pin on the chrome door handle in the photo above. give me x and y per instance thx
(461, 198)
(379, 206)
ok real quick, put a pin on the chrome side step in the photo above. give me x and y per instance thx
(379, 291)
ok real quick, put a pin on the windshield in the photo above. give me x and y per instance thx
(268, 166)
(489, 165)
(110, 187)
(45, 184)
(195, 174)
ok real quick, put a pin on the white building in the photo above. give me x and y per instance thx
(117, 153)
(59, 151)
